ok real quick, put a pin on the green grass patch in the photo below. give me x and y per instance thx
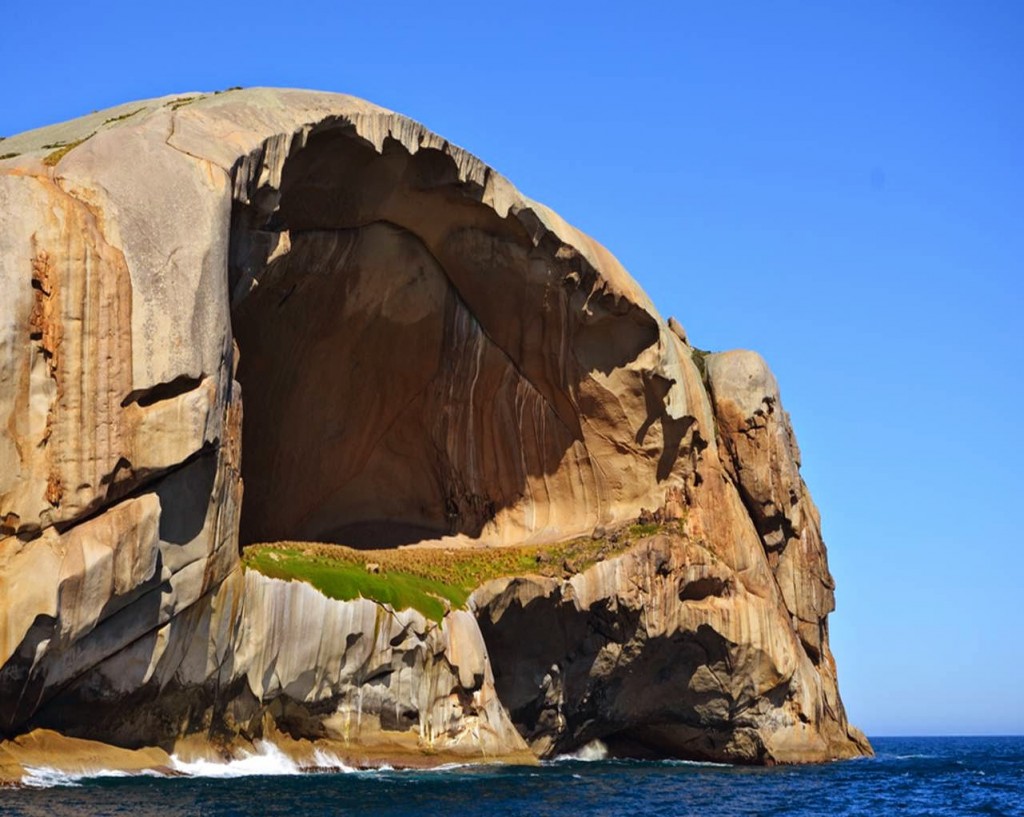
(432, 579)
(181, 102)
(9, 156)
(700, 360)
(346, 580)
(62, 150)
(123, 116)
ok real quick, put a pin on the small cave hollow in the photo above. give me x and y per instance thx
(396, 386)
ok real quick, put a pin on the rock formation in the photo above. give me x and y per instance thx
(317, 304)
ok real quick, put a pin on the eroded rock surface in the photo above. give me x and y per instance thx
(261, 656)
(667, 650)
(318, 305)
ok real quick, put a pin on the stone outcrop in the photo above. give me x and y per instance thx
(44, 749)
(667, 650)
(710, 642)
(267, 314)
(261, 656)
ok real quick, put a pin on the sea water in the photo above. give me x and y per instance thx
(909, 776)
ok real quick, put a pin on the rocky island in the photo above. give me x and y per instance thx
(316, 433)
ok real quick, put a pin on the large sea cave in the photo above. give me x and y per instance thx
(408, 356)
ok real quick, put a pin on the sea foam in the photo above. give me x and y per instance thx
(45, 777)
(266, 760)
(590, 752)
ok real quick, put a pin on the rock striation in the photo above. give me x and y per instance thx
(269, 314)
(261, 656)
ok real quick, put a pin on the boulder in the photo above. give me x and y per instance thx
(266, 315)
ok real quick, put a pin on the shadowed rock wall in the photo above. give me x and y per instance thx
(414, 362)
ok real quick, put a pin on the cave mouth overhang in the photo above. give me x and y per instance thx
(409, 358)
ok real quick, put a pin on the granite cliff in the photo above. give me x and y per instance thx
(265, 315)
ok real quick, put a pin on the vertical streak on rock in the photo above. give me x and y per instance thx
(81, 306)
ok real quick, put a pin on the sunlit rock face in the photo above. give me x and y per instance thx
(260, 654)
(265, 315)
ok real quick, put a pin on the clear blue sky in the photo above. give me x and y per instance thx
(837, 185)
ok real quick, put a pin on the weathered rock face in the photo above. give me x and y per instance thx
(423, 344)
(421, 352)
(696, 644)
(261, 654)
(674, 648)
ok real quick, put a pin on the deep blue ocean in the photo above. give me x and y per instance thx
(909, 776)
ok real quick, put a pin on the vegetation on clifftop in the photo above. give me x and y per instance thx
(431, 579)
(123, 116)
(700, 360)
(181, 102)
(62, 149)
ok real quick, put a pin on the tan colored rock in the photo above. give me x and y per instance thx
(72, 600)
(43, 748)
(262, 656)
(764, 460)
(422, 352)
(666, 650)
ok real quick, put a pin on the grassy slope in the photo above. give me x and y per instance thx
(427, 579)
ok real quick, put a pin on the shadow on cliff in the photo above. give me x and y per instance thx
(589, 674)
(51, 679)
(409, 358)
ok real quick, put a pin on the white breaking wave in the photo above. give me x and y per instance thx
(267, 760)
(41, 777)
(44, 777)
(714, 764)
(595, 750)
(323, 759)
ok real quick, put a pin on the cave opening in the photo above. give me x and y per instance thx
(392, 388)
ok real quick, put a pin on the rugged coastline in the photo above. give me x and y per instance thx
(269, 316)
